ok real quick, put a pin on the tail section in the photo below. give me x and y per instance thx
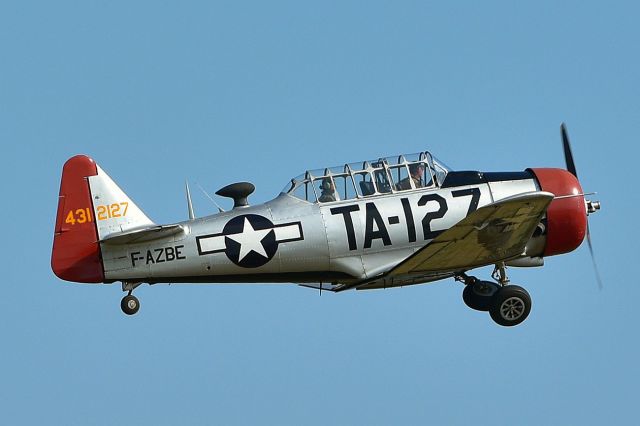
(76, 251)
(90, 207)
(114, 211)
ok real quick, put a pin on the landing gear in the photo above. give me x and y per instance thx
(508, 305)
(511, 305)
(479, 295)
(129, 304)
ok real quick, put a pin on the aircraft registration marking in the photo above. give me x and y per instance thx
(375, 227)
(78, 216)
(158, 255)
(108, 211)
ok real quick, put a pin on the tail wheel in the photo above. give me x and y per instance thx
(130, 304)
(511, 305)
(479, 295)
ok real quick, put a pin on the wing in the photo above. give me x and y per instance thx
(493, 233)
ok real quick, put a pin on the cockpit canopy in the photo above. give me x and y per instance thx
(364, 179)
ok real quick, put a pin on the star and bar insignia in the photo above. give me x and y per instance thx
(249, 240)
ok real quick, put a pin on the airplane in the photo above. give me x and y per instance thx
(391, 222)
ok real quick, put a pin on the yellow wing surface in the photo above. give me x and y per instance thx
(494, 233)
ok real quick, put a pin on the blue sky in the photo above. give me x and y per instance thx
(216, 92)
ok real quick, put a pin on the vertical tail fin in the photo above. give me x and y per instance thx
(114, 210)
(90, 207)
(76, 253)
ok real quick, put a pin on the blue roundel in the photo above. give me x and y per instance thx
(250, 240)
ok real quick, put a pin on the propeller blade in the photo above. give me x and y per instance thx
(571, 167)
(568, 156)
(593, 258)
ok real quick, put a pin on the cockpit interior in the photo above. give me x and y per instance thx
(405, 172)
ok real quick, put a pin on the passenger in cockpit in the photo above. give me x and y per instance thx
(328, 191)
(416, 171)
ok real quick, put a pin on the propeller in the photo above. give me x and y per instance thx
(593, 258)
(592, 206)
(568, 156)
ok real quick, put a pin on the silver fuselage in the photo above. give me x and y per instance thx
(303, 242)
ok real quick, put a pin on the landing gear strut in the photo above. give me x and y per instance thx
(130, 304)
(508, 305)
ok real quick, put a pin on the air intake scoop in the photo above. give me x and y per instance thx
(239, 191)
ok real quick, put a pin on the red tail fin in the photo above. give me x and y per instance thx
(76, 251)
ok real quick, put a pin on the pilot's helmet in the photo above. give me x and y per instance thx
(326, 184)
(413, 168)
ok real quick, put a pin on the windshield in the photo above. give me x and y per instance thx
(363, 179)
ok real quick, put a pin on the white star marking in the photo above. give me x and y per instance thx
(250, 240)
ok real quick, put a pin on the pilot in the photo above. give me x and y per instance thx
(416, 171)
(328, 191)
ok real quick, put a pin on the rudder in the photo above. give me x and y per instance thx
(76, 251)
(91, 207)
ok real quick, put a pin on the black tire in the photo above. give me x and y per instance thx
(130, 305)
(511, 305)
(479, 295)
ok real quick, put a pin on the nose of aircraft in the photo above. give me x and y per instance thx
(567, 213)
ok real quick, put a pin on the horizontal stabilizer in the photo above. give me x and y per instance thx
(142, 235)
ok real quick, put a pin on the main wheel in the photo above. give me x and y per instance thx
(511, 305)
(130, 304)
(479, 295)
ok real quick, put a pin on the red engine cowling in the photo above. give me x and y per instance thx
(566, 217)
